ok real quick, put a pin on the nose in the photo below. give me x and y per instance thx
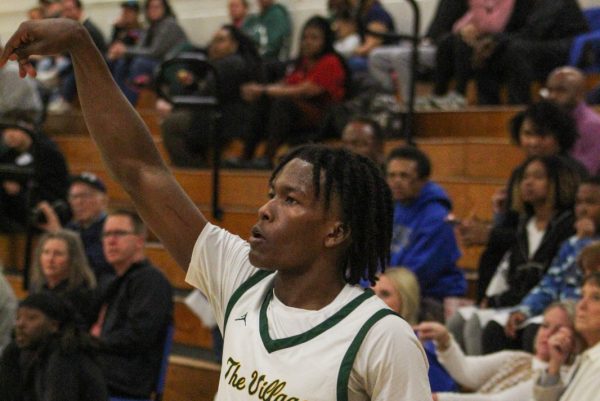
(265, 212)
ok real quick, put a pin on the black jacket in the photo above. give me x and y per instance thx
(524, 272)
(51, 372)
(139, 311)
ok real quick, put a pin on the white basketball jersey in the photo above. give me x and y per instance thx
(312, 366)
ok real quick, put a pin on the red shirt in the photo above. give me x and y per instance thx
(328, 73)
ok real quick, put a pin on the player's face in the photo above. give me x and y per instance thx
(293, 225)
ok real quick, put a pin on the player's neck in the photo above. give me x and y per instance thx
(306, 292)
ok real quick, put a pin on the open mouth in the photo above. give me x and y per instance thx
(256, 234)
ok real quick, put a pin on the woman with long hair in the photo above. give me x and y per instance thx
(60, 267)
(297, 104)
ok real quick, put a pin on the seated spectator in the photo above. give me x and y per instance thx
(364, 136)
(25, 147)
(88, 201)
(565, 87)
(583, 384)
(60, 268)
(127, 28)
(238, 10)
(188, 134)
(576, 258)
(337, 7)
(456, 53)
(399, 289)
(297, 105)
(49, 359)
(372, 17)
(528, 51)
(73, 9)
(505, 375)
(543, 129)
(270, 30)
(133, 66)
(18, 94)
(51, 8)
(544, 198)
(347, 38)
(135, 311)
(390, 65)
(8, 307)
(423, 241)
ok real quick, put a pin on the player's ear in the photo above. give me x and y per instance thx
(338, 234)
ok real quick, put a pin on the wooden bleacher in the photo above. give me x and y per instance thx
(471, 156)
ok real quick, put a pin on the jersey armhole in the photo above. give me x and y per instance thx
(348, 360)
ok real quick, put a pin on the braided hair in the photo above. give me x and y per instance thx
(365, 200)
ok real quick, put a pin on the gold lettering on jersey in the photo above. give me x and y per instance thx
(258, 385)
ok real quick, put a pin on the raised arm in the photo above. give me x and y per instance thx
(124, 141)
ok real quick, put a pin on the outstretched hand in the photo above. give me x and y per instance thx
(42, 37)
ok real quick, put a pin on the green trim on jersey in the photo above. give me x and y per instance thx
(237, 294)
(348, 361)
(274, 345)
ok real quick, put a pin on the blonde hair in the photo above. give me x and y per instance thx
(406, 284)
(79, 269)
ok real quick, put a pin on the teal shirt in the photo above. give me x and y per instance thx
(270, 31)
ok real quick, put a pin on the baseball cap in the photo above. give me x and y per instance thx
(132, 4)
(90, 179)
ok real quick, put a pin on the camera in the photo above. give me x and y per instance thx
(61, 208)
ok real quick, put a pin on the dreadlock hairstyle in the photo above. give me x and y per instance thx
(365, 200)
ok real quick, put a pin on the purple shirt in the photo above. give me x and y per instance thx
(587, 147)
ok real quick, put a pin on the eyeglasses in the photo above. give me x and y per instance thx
(83, 195)
(117, 233)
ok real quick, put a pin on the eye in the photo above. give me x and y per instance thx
(271, 195)
(290, 200)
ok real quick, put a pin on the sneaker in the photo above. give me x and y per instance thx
(451, 101)
(59, 105)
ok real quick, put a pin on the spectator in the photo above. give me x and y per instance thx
(88, 202)
(543, 129)
(25, 147)
(544, 198)
(135, 311)
(364, 136)
(73, 9)
(502, 376)
(565, 87)
(18, 94)
(390, 65)
(529, 51)
(60, 268)
(583, 383)
(423, 241)
(371, 17)
(347, 38)
(270, 29)
(127, 28)
(188, 134)
(298, 104)
(455, 56)
(51, 8)
(35, 13)
(399, 289)
(337, 7)
(561, 281)
(238, 9)
(133, 66)
(49, 359)
(8, 307)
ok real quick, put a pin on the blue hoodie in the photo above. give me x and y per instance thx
(424, 242)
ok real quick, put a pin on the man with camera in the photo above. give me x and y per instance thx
(31, 169)
(88, 201)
